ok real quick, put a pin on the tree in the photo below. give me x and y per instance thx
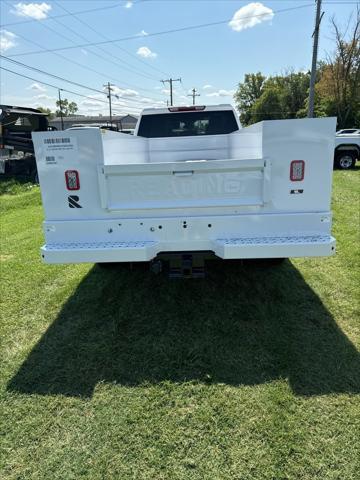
(339, 84)
(67, 108)
(247, 93)
(294, 92)
(281, 96)
(268, 106)
(47, 111)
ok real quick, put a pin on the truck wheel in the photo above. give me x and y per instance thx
(345, 160)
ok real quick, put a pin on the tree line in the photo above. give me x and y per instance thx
(337, 88)
(67, 108)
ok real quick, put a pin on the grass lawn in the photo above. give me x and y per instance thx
(252, 373)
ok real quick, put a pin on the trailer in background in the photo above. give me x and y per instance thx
(17, 155)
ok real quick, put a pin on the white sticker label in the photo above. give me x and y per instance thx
(50, 159)
(60, 144)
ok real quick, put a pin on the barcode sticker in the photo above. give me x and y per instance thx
(59, 144)
(57, 140)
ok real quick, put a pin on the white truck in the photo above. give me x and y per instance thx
(189, 181)
(347, 148)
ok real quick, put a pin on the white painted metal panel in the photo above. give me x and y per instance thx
(189, 184)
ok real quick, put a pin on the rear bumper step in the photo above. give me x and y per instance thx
(275, 247)
(100, 252)
(226, 248)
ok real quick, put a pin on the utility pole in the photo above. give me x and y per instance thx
(109, 89)
(61, 112)
(193, 95)
(171, 81)
(315, 35)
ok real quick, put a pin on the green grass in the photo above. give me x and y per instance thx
(252, 373)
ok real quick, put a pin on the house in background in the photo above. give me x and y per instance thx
(121, 122)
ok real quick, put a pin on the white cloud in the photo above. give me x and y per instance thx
(43, 96)
(206, 87)
(124, 92)
(91, 103)
(7, 40)
(221, 93)
(36, 86)
(250, 15)
(145, 52)
(146, 100)
(128, 4)
(38, 11)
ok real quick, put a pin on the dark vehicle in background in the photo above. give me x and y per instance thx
(16, 147)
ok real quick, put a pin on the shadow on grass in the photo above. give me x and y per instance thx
(242, 325)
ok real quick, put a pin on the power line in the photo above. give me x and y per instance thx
(109, 89)
(74, 15)
(57, 77)
(164, 32)
(318, 18)
(138, 105)
(171, 81)
(194, 94)
(51, 85)
(47, 27)
(102, 50)
(108, 7)
(65, 89)
(101, 74)
(129, 107)
(61, 112)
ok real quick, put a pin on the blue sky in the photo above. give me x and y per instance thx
(213, 59)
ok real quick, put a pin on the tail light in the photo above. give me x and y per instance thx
(297, 170)
(187, 109)
(72, 180)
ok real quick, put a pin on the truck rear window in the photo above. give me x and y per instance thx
(187, 124)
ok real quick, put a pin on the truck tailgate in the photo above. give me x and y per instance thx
(191, 184)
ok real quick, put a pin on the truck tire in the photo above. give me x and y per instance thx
(345, 160)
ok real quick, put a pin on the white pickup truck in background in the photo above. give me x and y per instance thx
(347, 148)
(189, 181)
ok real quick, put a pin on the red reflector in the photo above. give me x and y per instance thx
(72, 180)
(187, 109)
(297, 170)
